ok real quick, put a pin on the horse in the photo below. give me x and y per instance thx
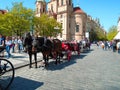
(87, 46)
(27, 43)
(49, 47)
(46, 46)
(57, 50)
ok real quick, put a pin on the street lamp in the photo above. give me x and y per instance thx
(87, 34)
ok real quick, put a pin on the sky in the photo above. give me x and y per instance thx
(108, 11)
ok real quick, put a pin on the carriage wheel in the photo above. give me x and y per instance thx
(6, 74)
(78, 52)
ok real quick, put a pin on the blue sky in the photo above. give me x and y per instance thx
(108, 11)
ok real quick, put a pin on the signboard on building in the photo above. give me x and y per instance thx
(87, 34)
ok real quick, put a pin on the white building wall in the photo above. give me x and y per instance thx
(118, 27)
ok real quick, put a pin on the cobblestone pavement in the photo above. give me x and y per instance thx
(93, 70)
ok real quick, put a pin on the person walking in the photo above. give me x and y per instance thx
(20, 44)
(14, 44)
(114, 46)
(8, 44)
(118, 46)
(2, 45)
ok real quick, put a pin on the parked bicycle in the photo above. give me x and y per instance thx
(6, 73)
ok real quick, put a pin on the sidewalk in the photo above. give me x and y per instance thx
(22, 59)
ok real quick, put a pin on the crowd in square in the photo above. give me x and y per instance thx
(113, 45)
(11, 45)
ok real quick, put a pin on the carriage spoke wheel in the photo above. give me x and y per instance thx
(6, 74)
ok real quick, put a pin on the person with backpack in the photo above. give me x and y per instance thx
(118, 46)
(2, 45)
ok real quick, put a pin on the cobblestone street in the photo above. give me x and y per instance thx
(93, 70)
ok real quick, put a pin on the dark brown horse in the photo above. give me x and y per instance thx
(57, 50)
(50, 47)
(46, 46)
(27, 43)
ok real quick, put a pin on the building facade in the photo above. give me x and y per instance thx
(72, 19)
(3, 11)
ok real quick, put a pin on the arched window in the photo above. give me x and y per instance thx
(61, 2)
(77, 28)
(69, 2)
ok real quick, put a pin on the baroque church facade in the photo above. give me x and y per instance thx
(72, 19)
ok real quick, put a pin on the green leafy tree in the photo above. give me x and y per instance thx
(45, 26)
(17, 21)
(97, 34)
(100, 34)
(112, 32)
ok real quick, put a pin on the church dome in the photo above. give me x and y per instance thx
(78, 10)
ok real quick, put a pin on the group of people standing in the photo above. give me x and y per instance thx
(113, 45)
(14, 44)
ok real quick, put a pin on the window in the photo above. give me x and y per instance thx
(69, 25)
(69, 2)
(62, 25)
(77, 28)
(61, 2)
(60, 35)
(61, 16)
(51, 7)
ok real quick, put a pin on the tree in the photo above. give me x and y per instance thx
(100, 34)
(44, 25)
(112, 32)
(97, 34)
(17, 21)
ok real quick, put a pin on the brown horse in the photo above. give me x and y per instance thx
(46, 46)
(49, 47)
(27, 43)
(57, 50)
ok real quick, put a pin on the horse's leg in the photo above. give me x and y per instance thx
(58, 55)
(35, 57)
(30, 58)
(45, 59)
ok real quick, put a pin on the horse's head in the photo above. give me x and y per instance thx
(27, 41)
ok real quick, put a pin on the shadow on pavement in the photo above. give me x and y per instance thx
(21, 83)
(87, 51)
(64, 63)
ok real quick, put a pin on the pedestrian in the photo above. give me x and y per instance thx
(20, 44)
(106, 45)
(114, 46)
(118, 46)
(8, 44)
(14, 43)
(102, 45)
(2, 45)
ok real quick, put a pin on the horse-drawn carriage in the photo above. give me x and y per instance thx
(54, 48)
(69, 47)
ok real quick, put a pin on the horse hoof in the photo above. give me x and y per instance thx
(30, 67)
